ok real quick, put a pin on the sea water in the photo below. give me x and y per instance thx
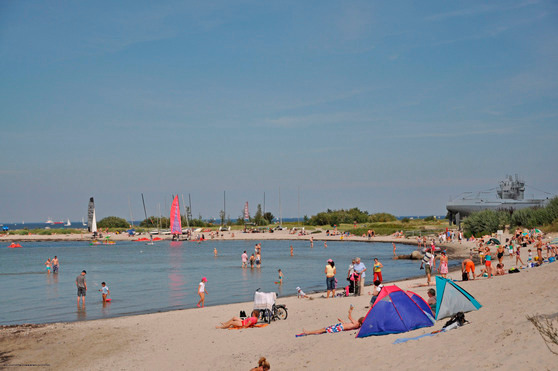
(165, 276)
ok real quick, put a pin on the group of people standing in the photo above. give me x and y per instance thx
(356, 275)
(428, 263)
(255, 258)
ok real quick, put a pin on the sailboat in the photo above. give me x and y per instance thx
(175, 222)
(91, 217)
(68, 223)
(83, 222)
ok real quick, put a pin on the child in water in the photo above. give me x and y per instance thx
(202, 292)
(104, 291)
(280, 277)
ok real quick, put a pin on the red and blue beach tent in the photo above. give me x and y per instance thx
(396, 311)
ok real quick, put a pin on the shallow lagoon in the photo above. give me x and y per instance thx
(165, 276)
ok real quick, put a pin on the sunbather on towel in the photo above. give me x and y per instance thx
(342, 326)
(238, 322)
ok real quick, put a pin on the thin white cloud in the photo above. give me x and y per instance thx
(456, 134)
(315, 120)
(485, 8)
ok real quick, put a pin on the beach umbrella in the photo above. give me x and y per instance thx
(537, 230)
(494, 241)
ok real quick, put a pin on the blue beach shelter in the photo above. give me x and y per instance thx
(394, 312)
(451, 299)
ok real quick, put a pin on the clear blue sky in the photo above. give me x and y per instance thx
(387, 106)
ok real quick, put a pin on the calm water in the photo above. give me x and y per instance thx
(165, 276)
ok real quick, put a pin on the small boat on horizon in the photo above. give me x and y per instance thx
(67, 224)
(49, 221)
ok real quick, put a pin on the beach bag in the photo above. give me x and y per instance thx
(465, 276)
(242, 314)
(513, 270)
(458, 319)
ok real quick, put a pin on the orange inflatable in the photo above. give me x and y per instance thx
(14, 245)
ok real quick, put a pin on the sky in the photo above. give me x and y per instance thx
(385, 106)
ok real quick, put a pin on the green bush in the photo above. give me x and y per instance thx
(429, 218)
(485, 222)
(338, 217)
(536, 217)
(382, 217)
(113, 222)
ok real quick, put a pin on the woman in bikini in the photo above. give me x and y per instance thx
(237, 322)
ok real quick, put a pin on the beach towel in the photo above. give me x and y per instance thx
(256, 325)
(404, 340)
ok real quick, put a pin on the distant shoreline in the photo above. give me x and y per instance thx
(454, 249)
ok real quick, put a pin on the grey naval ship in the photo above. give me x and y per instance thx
(510, 197)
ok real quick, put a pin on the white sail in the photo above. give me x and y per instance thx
(94, 223)
(68, 223)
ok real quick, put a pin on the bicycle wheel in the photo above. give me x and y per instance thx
(267, 316)
(281, 312)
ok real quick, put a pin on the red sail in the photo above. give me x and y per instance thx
(175, 225)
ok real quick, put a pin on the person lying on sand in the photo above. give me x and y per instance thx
(342, 326)
(237, 322)
(302, 294)
(263, 365)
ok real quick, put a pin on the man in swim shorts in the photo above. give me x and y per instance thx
(55, 264)
(81, 287)
(468, 266)
(338, 327)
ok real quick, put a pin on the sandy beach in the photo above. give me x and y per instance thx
(498, 335)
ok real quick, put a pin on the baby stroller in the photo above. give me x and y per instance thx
(353, 281)
(269, 311)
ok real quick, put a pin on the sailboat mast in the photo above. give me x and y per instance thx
(224, 207)
(280, 215)
(298, 218)
(130, 206)
(186, 212)
(190, 203)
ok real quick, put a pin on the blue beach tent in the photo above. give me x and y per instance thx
(451, 299)
(394, 312)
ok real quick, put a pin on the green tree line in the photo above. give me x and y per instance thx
(489, 221)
